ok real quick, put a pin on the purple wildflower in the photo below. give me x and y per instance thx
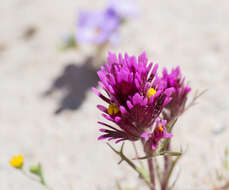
(159, 132)
(135, 96)
(96, 27)
(179, 97)
(123, 9)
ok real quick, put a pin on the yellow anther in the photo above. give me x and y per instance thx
(17, 161)
(151, 92)
(112, 109)
(160, 128)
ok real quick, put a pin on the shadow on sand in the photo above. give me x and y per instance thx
(75, 81)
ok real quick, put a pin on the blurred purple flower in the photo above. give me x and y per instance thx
(135, 96)
(179, 97)
(153, 138)
(96, 27)
(123, 8)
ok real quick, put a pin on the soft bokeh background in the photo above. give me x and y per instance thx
(47, 110)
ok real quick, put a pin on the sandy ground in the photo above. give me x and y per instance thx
(47, 110)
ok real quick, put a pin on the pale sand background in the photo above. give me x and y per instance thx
(193, 34)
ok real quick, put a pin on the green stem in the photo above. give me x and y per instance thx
(137, 155)
(158, 170)
(170, 171)
(42, 180)
(142, 174)
(151, 171)
(167, 160)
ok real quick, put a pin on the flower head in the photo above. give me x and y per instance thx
(135, 96)
(17, 161)
(152, 139)
(96, 27)
(179, 97)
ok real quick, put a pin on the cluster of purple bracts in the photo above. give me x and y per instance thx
(177, 106)
(136, 96)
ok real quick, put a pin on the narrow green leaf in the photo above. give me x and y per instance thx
(159, 154)
(172, 153)
(123, 157)
(144, 174)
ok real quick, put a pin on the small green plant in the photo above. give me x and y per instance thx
(18, 161)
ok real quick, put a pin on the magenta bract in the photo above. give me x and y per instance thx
(152, 139)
